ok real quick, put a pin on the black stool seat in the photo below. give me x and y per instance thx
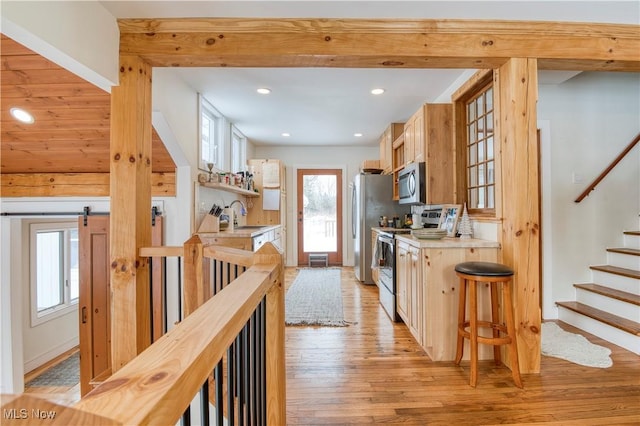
(485, 269)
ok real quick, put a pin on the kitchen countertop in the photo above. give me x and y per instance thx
(447, 242)
(248, 231)
(387, 229)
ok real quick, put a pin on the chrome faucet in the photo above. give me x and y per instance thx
(243, 211)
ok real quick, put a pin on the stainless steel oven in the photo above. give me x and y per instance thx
(386, 263)
(386, 268)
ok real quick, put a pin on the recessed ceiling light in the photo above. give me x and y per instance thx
(357, 135)
(22, 115)
(264, 91)
(286, 135)
(378, 91)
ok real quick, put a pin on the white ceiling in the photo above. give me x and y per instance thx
(326, 106)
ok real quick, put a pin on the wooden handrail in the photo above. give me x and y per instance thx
(606, 171)
(163, 251)
(163, 380)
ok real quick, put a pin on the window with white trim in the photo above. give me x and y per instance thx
(238, 150)
(211, 136)
(54, 267)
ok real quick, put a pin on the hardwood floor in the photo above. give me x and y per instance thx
(65, 395)
(374, 372)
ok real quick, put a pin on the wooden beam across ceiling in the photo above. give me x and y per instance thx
(223, 42)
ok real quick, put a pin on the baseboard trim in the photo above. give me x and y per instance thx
(50, 354)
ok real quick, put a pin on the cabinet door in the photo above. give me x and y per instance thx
(375, 272)
(438, 153)
(402, 288)
(418, 136)
(409, 150)
(415, 294)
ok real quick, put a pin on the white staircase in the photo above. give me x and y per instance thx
(609, 307)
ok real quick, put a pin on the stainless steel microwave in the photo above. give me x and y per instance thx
(411, 181)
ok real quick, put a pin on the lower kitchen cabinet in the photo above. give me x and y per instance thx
(428, 290)
(402, 281)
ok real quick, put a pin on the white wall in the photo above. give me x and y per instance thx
(349, 159)
(591, 118)
(44, 341)
(11, 360)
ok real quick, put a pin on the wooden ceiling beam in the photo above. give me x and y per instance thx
(218, 42)
(74, 184)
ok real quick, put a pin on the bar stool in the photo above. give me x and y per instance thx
(472, 273)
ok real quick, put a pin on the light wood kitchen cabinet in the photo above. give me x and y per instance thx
(409, 288)
(375, 272)
(414, 294)
(428, 134)
(427, 291)
(390, 134)
(402, 280)
(428, 138)
(269, 175)
(397, 162)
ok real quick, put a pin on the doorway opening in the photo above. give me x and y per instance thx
(319, 194)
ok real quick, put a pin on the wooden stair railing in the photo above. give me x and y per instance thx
(606, 171)
(165, 378)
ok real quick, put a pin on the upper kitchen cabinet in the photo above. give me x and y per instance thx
(429, 127)
(390, 134)
(428, 138)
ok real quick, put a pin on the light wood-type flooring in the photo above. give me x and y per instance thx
(373, 372)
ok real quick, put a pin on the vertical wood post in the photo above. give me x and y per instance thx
(130, 225)
(275, 356)
(196, 289)
(517, 86)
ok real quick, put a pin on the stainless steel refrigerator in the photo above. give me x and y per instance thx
(371, 197)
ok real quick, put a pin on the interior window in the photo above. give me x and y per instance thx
(238, 151)
(480, 161)
(475, 146)
(54, 269)
(211, 136)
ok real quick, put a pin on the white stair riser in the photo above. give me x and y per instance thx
(603, 331)
(607, 304)
(618, 282)
(623, 260)
(631, 241)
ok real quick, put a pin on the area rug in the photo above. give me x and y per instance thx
(573, 347)
(315, 298)
(65, 373)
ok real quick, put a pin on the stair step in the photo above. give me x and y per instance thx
(610, 292)
(624, 324)
(632, 233)
(625, 250)
(630, 273)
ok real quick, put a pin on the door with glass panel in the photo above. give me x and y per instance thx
(319, 214)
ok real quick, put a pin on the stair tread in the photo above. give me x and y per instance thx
(624, 250)
(624, 324)
(631, 273)
(631, 232)
(610, 292)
